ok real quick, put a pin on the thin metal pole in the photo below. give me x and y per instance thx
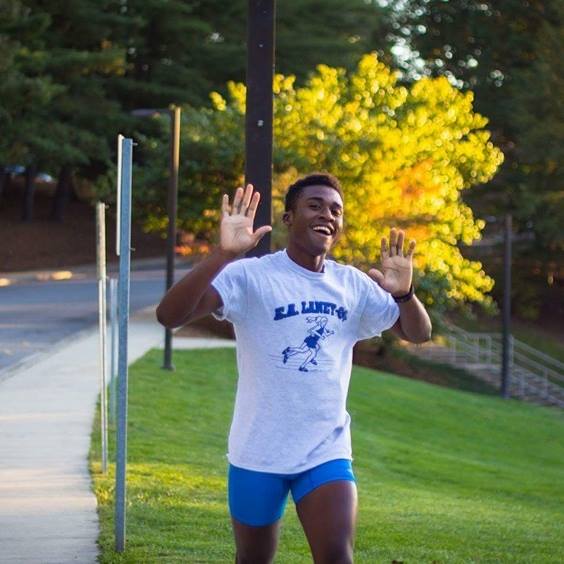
(113, 347)
(258, 118)
(118, 195)
(172, 205)
(506, 327)
(101, 271)
(123, 309)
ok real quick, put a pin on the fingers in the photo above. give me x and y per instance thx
(253, 205)
(245, 202)
(393, 242)
(397, 239)
(399, 244)
(246, 199)
(225, 208)
(411, 249)
(385, 252)
(261, 232)
(376, 275)
(237, 200)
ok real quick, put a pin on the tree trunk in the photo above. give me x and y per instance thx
(62, 194)
(30, 174)
(4, 183)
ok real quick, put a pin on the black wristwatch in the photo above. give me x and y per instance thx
(405, 297)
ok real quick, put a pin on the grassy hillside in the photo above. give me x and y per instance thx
(443, 475)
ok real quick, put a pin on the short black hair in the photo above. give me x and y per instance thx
(314, 179)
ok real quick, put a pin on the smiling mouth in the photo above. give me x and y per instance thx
(323, 230)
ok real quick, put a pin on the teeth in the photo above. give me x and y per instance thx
(322, 229)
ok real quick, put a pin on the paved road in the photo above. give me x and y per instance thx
(34, 316)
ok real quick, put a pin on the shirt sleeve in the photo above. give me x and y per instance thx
(380, 312)
(231, 285)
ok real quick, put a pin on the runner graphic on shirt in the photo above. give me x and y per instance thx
(310, 347)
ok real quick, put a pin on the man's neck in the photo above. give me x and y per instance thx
(305, 260)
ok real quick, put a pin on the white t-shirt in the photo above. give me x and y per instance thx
(295, 332)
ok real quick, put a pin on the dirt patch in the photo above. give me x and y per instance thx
(46, 244)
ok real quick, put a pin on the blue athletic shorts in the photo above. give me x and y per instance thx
(259, 498)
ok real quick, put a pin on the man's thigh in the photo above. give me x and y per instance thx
(328, 516)
(255, 545)
(256, 503)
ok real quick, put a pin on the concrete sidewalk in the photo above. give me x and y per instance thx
(47, 507)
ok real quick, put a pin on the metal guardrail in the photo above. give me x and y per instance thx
(533, 372)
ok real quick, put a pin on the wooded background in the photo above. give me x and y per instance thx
(437, 115)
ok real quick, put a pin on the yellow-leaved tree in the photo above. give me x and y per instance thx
(403, 155)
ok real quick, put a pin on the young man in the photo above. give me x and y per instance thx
(290, 428)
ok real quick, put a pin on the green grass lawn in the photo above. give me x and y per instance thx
(443, 475)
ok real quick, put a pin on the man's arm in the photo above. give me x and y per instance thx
(414, 324)
(194, 296)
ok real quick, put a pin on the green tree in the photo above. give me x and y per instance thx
(404, 156)
(60, 115)
(180, 50)
(539, 127)
(25, 97)
(75, 51)
(497, 50)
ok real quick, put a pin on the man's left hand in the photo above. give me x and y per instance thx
(397, 268)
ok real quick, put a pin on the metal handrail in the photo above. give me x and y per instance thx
(517, 344)
(526, 360)
(529, 372)
(547, 358)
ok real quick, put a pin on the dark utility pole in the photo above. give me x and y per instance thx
(171, 208)
(172, 199)
(506, 329)
(258, 120)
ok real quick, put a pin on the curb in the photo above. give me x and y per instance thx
(83, 271)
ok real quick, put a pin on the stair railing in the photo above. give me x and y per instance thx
(535, 370)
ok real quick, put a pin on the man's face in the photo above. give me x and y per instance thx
(316, 221)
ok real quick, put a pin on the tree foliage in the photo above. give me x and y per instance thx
(538, 121)
(25, 96)
(508, 54)
(71, 71)
(403, 154)
(180, 50)
(56, 108)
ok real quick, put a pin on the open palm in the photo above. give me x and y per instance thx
(236, 231)
(397, 268)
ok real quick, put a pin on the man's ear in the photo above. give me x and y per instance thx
(287, 218)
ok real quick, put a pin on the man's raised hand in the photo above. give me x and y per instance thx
(397, 268)
(236, 231)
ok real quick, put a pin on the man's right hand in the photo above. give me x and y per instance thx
(194, 296)
(236, 231)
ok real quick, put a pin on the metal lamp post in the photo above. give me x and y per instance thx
(258, 118)
(506, 338)
(174, 113)
(507, 354)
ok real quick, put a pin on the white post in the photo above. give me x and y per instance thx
(118, 196)
(101, 271)
(113, 348)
